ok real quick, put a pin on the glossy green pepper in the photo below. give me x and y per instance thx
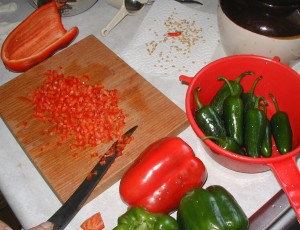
(249, 97)
(266, 145)
(281, 129)
(211, 208)
(233, 113)
(219, 98)
(207, 119)
(227, 143)
(138, 218)
(255, 127)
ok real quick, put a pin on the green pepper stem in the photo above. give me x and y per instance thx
(228, 83)
(243, 75)
(257, 101)
(211, 138)
(275, 102)
(196, 90)
(264, 107)
(254, 84)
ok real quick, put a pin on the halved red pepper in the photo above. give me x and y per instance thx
(38, 37)
(162, 174)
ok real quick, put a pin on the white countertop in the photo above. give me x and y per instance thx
(30, 197)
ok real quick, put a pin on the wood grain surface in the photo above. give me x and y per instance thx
(64, 168)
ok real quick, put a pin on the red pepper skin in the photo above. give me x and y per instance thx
(38, 37)
(162, 174)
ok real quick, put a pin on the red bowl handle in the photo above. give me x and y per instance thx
(288, 176)
(185, 79)
(276, 58)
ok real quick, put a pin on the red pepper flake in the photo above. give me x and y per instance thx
(45, 146)
(94, 154)
(119, 147)
(174, 34)
(24, 123)
(102, 160)
(89, 114)
(91, 174)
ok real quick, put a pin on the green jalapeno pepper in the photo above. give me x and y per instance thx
(281, 129)
(233, 114)
(249, 97)
(266, 145)
(255, 127)
(224, 92)
(227, 143)
(207, 119)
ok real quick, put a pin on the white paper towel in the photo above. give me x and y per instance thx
(155, 50)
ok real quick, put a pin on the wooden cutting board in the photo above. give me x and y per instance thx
(64, 168)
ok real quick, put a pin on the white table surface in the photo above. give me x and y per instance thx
(30, 197)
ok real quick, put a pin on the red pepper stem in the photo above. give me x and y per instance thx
(228, 83)
(275, 102)
(243, 75)
(254, 84)
(196, 90)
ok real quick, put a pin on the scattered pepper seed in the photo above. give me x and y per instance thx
(181, 36)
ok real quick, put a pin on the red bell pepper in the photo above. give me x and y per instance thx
(38, 37)
(161, 175)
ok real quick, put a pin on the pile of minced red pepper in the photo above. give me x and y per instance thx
(237, 120)
(168, 177)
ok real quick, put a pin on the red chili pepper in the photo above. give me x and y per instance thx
(174, 34)
(38, 37)
(163, 173)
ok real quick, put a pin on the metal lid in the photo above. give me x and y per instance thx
(67, 7)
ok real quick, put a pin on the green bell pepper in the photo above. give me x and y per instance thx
(138, 218)
(212, 208)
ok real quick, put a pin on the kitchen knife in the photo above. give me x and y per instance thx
(277, 213)
(69, 209)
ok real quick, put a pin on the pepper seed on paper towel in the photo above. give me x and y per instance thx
(180, 37)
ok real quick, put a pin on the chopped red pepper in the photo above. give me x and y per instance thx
(91, 174)
(95, 222)
(38, 37)
(174, 34)
(163, 173)
(89, 114)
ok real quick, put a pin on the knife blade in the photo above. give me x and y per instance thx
(62, 217)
